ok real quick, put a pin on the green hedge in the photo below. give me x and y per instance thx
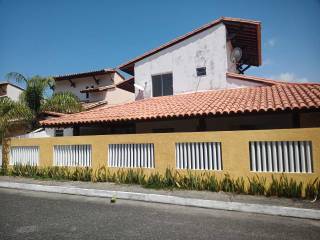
(282, 187)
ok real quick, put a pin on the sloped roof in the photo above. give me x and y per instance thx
(92, 105)
(11, 84)
(85, 74)
(278, 97)
(255, 79)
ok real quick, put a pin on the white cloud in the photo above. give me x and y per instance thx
(271, 42)
(290, 77)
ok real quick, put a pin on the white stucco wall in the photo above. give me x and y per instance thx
(117, 78)
(97, 96)
(206, 49)
(46, 132)
(13, 92)
(117, 96)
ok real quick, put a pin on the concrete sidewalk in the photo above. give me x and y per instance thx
(203, 199)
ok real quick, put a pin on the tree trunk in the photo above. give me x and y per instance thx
(5, 152)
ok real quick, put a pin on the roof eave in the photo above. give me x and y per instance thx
(99, 89)
(84, 74)
(127, 85)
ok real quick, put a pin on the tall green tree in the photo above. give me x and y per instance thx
(35, 89)
(12, 112)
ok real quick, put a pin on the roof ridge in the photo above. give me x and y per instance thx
(98, 71)
(253, 78)
(264, 79)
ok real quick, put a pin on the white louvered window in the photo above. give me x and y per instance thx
(131, 155)
(72, 155)
(24, 155)
(199, 156)
(281, 156)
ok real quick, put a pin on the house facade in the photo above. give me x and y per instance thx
(196, 82)
(199, 60)
(192, 98)
(10, 90)
(95, 88)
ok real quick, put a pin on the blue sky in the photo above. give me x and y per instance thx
(47, 37)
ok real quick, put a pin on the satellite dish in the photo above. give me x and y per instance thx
(236, 55)
(139, 87)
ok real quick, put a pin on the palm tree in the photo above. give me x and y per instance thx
(35, 98)
(11, 113)
(62, 102)
(36, 88)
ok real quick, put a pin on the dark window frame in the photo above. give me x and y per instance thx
(162, 84)
(58, 132)
(201, 71)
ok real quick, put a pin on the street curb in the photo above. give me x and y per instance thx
(156, 198)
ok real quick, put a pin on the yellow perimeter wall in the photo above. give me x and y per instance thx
(235, 148)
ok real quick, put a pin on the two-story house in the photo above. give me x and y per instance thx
(10, 90)
(196, 82)
(95, 88)
(199, 60)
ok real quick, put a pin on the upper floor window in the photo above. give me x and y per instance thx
(201, 71)
(162, 85)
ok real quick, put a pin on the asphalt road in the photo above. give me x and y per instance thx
(31, 215)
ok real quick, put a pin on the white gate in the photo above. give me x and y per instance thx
(24, 155)
(199, 156)
(281, 156)
(72, 155)
(131, 155)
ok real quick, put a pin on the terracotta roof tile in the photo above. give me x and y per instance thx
(227, 101)
(91, 105)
